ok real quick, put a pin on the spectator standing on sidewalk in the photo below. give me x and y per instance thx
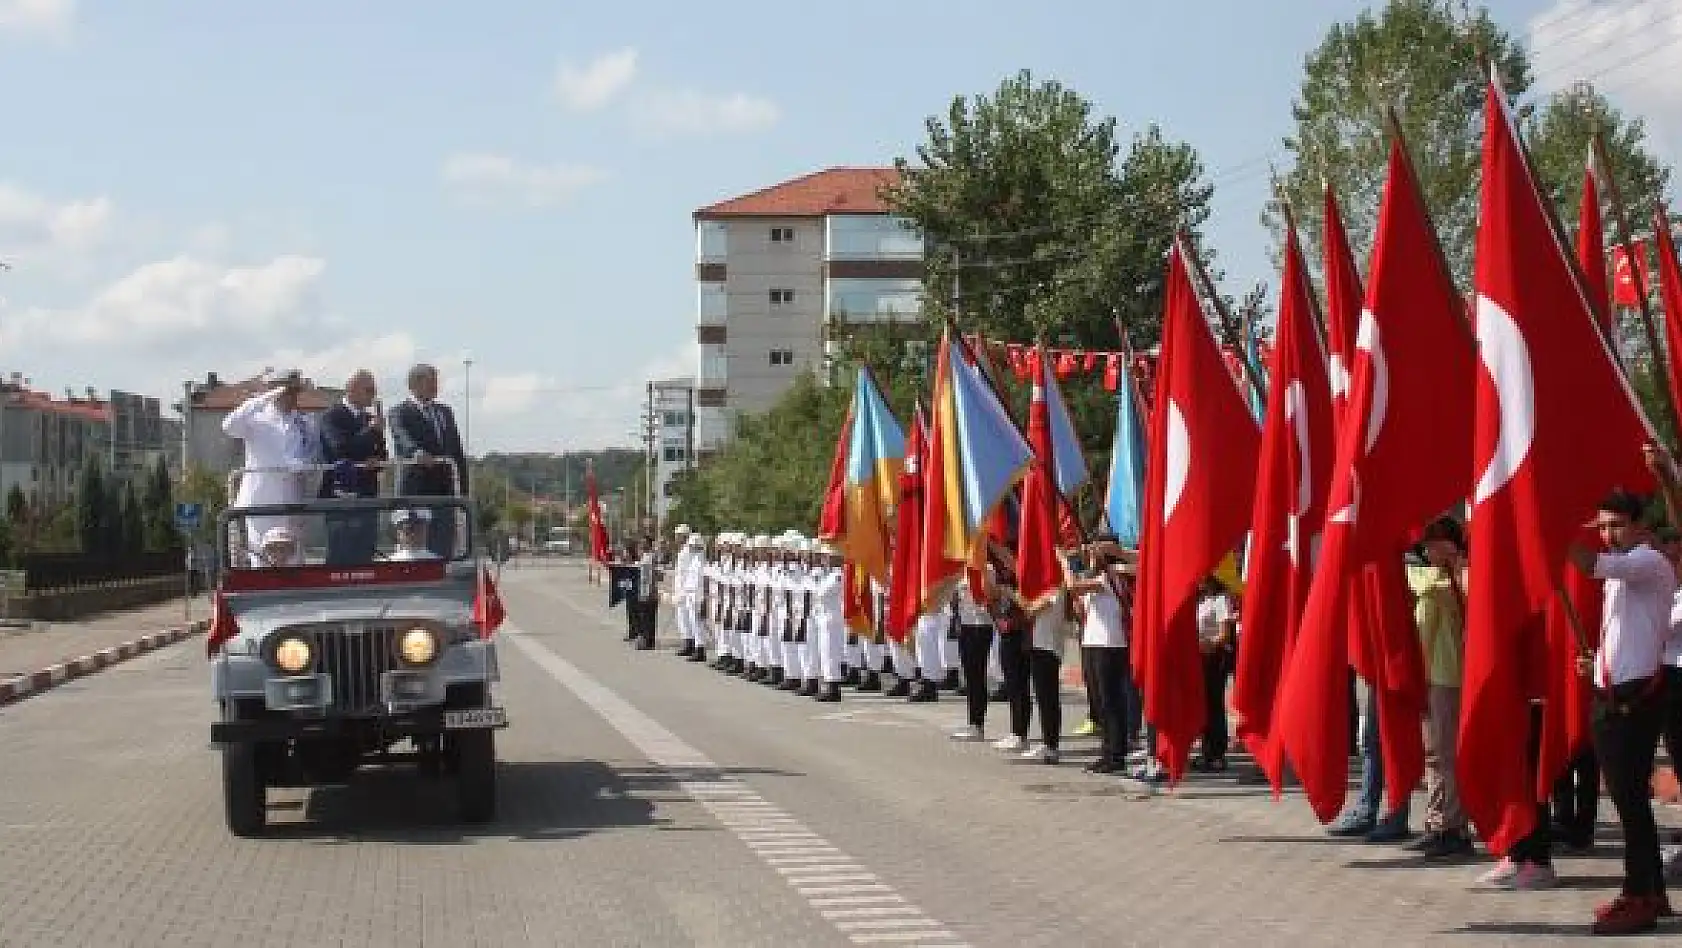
(1439, 612)
(1217, 637)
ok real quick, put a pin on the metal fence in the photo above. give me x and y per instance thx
(69, 570)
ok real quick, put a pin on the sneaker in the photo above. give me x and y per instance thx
(1149, 772)
(1038, 754)
(1500, 877)
(968, 735)
(1351, 823)
(1389, 831)
(1086, 728)
(1138, 757)
(1671, 856)
(1534, 877)
(1447, 845)
(1011, 744)
(1626, 915)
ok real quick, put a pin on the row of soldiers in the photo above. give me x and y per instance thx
(770, 609)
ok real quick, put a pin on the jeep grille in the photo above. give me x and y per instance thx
(354, 659)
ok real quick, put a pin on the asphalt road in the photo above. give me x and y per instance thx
(649, 801)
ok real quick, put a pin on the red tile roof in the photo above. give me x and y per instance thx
(831, 191)
(89, 409)
(226, 396)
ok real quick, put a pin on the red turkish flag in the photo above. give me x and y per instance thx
(1112, 371)
(1670, 292)
(598, 529)
(905, 580)
(1556, 428)
(222, 626)
(832, 520)
(1199, 483)
(1591, 241)
(1403, 456)
(488, 612)
(1565, 713)
(1624, 290)
(1290, 510)
(1039, 569)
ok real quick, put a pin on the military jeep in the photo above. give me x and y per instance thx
(349, 632)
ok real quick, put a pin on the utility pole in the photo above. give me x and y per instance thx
(650, 434)
(689, 430)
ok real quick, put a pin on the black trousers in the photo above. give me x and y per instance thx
(1538, 846)
(975, 642)
(1217, 666)
(1626, 735)
(1109, 680)
(1088, 672)
(648, 612)
(1013, 662)
(1045, 667)
(1576, 797)
(1673, 715)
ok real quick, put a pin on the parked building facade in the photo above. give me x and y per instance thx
(673, 402)
(782, 272)
(46, 441)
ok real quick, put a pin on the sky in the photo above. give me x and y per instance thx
(190, 186)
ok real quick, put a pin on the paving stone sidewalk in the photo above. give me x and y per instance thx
(24, 652)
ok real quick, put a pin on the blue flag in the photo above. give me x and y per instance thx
(1127, 463)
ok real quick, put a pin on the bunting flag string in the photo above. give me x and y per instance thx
(1023, 360)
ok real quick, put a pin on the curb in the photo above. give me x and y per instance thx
(23, 686)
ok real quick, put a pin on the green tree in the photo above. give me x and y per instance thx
(1029, 212)
(131, 532)
(93, 520)
(1420, 58)
(158, 511)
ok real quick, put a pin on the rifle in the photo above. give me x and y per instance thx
(805, 614)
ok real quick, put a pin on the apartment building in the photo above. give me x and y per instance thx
(672, 401)
(779, 272)
(46, 441)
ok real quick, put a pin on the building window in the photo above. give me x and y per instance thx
(711, 242)
(672, 455)
(675, 419)
(782, 356)
(781, 297)
(872, 237)
(782, 235)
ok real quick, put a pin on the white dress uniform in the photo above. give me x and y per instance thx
(829, 622)
(805, 598)
(691, 574)
(931, 636)
(763, 577)
(273, 439)
(870, 650)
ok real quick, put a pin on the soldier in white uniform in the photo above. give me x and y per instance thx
(691, 573)
(871, 651)
(806, 629)
(674, 595)
(828, 625)
(788, 596)
(759, 583)
(276, 436)
(930, 631)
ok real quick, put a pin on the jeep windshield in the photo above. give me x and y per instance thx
(347, 533)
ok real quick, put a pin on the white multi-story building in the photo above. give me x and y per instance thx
(673, 406)
(779, 271)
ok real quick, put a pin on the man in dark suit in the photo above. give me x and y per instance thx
(353, 433)
(424, 435)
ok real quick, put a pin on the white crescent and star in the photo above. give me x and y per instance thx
(1178, 456)
(1506, 358)
(1296, 414)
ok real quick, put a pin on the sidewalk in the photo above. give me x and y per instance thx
(26, 651)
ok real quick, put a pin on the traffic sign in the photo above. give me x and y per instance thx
(188, 516)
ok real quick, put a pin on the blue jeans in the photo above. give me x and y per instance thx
(1371, 796)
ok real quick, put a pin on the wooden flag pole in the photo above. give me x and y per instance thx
(1207, 288)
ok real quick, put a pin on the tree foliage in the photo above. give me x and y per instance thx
(93, 510)
(1032, 216)
(1420, 58)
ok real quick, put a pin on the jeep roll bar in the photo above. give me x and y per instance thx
(300, 469)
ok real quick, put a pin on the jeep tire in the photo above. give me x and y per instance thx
(475, 758)
(243, 795)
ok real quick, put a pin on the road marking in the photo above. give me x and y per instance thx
(827, 879)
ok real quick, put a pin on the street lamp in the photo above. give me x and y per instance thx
(467, 407)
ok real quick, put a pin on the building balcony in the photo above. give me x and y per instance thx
(871, 237)
(712, 304)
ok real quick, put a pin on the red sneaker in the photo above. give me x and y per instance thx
(1627, 915)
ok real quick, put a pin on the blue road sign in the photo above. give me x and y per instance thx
(188, 515)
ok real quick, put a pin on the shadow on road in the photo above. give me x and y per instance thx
(537, 801)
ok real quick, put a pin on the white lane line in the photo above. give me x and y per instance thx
(869, 911)
(827, 878)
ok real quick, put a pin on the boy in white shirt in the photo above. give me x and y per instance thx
(1108, 597)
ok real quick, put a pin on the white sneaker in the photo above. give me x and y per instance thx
(968, 735)
(1672, 858)
(1501, 877)
(1011, 744)
(1038, 754)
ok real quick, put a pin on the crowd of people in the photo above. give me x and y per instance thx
(770, 610)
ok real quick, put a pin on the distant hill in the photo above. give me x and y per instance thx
(548, 475)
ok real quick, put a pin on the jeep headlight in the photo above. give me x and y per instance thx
(292, 655)
(418, 646)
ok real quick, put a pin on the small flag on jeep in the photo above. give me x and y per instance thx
(222, 626)
(488, 613)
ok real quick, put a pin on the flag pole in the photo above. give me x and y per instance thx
(1201, 275)
(1620, 218)
(1295, 240)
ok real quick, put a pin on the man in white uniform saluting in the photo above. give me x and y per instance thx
(277, 436)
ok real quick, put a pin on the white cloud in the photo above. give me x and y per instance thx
(49, 17)
(689, 112)
(32, 225)
(181, 301)
(485, 178)
(506, 395)
(588, 88)
(387, 355)
(1629, 49)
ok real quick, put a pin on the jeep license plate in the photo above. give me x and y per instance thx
(463, 719)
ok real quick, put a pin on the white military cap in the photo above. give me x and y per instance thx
(682, 528)
(696, 541)
(827, 548)
(405, 514)
(761, 542)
